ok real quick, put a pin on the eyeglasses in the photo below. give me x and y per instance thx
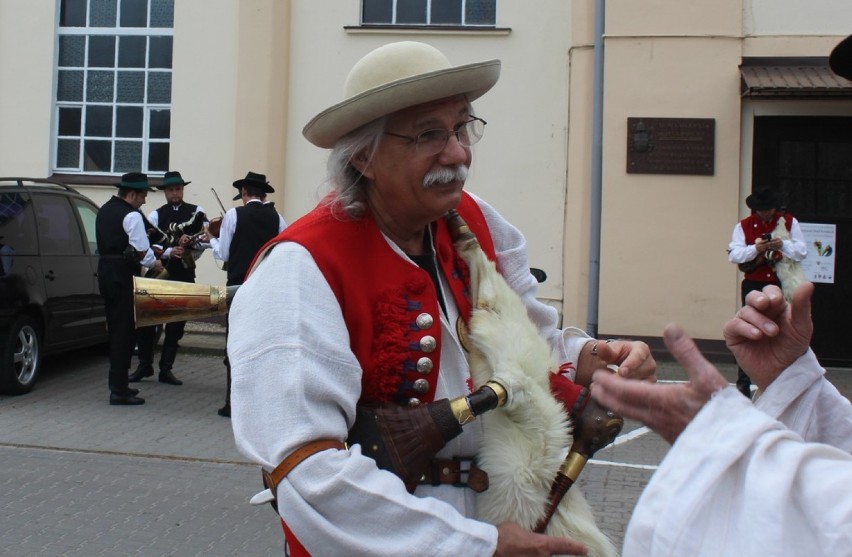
(432, 142)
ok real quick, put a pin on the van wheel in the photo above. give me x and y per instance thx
(20, 359)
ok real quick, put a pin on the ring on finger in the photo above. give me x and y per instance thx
(594, 351)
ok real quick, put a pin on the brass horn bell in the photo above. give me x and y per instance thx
(165, 301)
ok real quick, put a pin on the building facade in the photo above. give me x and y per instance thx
(622, 139)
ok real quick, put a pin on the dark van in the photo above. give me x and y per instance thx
(49, 297)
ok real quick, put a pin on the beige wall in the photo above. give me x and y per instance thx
(26, 88)
(248, 74)
(519, 166)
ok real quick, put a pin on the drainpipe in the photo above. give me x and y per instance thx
(597, 166)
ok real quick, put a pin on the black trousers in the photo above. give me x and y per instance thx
(173, 332)
(748, 285)
(118, 301)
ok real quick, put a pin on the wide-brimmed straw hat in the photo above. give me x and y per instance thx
(253, 179)
(396, 76)
(841, 58)
(172, 178)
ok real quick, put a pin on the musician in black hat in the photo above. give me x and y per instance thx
(244, 230)
(183, 224)
(756, 247)
(123, 249)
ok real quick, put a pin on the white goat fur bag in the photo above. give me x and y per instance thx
(525, 441)
(789, 272)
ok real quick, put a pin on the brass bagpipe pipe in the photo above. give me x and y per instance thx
(595, 428)
(157, 301)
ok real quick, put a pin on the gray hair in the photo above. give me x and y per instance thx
(347, 182)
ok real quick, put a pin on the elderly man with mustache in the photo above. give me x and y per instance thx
(362, 301)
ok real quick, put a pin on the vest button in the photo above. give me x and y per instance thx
(424, 365)
(424, 321)
(413, 401)
(428, 344)
(421, 386)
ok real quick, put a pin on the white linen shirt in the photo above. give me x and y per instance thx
(222, 245)
(739, 252)
(295, 380)
(806, 402)
(737, 482)
(138, 237)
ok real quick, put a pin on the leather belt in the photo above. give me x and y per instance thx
(458, 471)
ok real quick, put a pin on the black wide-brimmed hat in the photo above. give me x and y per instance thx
(253, 179)
(840, 60)
(172, 178)
(762, 200)
(134, 181)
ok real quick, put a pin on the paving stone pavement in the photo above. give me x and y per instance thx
(82, 478)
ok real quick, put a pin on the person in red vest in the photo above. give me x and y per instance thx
(755, 247)
(361, 302)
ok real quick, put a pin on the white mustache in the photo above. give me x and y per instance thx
(445, 175)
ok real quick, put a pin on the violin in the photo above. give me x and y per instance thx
(214, 226)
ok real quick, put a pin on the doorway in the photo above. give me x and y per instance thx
(808, 161)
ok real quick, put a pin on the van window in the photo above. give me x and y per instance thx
(17, 224)
(88, 213)
(58, 232)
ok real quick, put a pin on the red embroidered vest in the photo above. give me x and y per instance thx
(390, 305)
(753, 228)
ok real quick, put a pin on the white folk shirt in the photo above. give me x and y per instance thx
(222, 245)
(138, 237)
(295, 380)
(739, 482)
(739, 252)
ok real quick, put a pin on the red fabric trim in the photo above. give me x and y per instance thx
(567, 392)
(296, 549)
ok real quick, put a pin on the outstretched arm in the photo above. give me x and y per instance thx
(667, 409)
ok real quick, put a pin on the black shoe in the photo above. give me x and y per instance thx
(143, 370)
(133, 392)
(225, 411)
(169, 377)
(125, 400)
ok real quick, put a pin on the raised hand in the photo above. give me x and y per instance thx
(768, 334)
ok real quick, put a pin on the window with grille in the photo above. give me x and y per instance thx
(113, 86)
(466, 13)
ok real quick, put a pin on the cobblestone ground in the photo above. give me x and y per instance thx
(82, 478)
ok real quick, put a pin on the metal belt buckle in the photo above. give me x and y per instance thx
(463, 470)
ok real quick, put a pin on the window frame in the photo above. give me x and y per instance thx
(79, 173)
(393, 24)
